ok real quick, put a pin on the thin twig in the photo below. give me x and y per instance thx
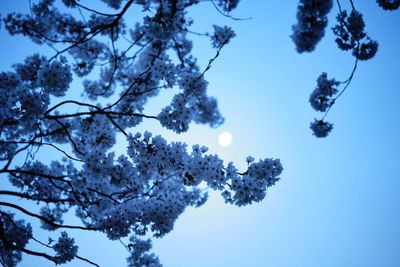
(347, 83)
(227, 15)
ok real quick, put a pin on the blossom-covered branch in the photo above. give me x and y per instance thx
(350, 36)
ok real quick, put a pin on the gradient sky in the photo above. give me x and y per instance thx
(338, 201)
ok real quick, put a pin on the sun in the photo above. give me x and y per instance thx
(225, 139)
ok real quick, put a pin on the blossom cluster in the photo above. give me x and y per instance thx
(65, 249)
(191, 105)
(311, 23)
(222, 35)
(54, 77)
(15, 235)
(321, 128)
(139, 253)
(389, 4)
(321, 98)
(351, 35)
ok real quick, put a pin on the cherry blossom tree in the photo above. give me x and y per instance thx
(143, 191)
(140, 193)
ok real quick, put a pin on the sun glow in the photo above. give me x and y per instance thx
(225, 139)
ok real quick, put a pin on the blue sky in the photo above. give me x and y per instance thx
(338, 202)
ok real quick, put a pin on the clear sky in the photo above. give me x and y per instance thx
(338, 201)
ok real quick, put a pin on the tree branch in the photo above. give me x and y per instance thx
(35, 198)
(44, 219)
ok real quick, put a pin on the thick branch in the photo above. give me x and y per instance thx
(78, 114)
(36, 198)
(44, 219)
